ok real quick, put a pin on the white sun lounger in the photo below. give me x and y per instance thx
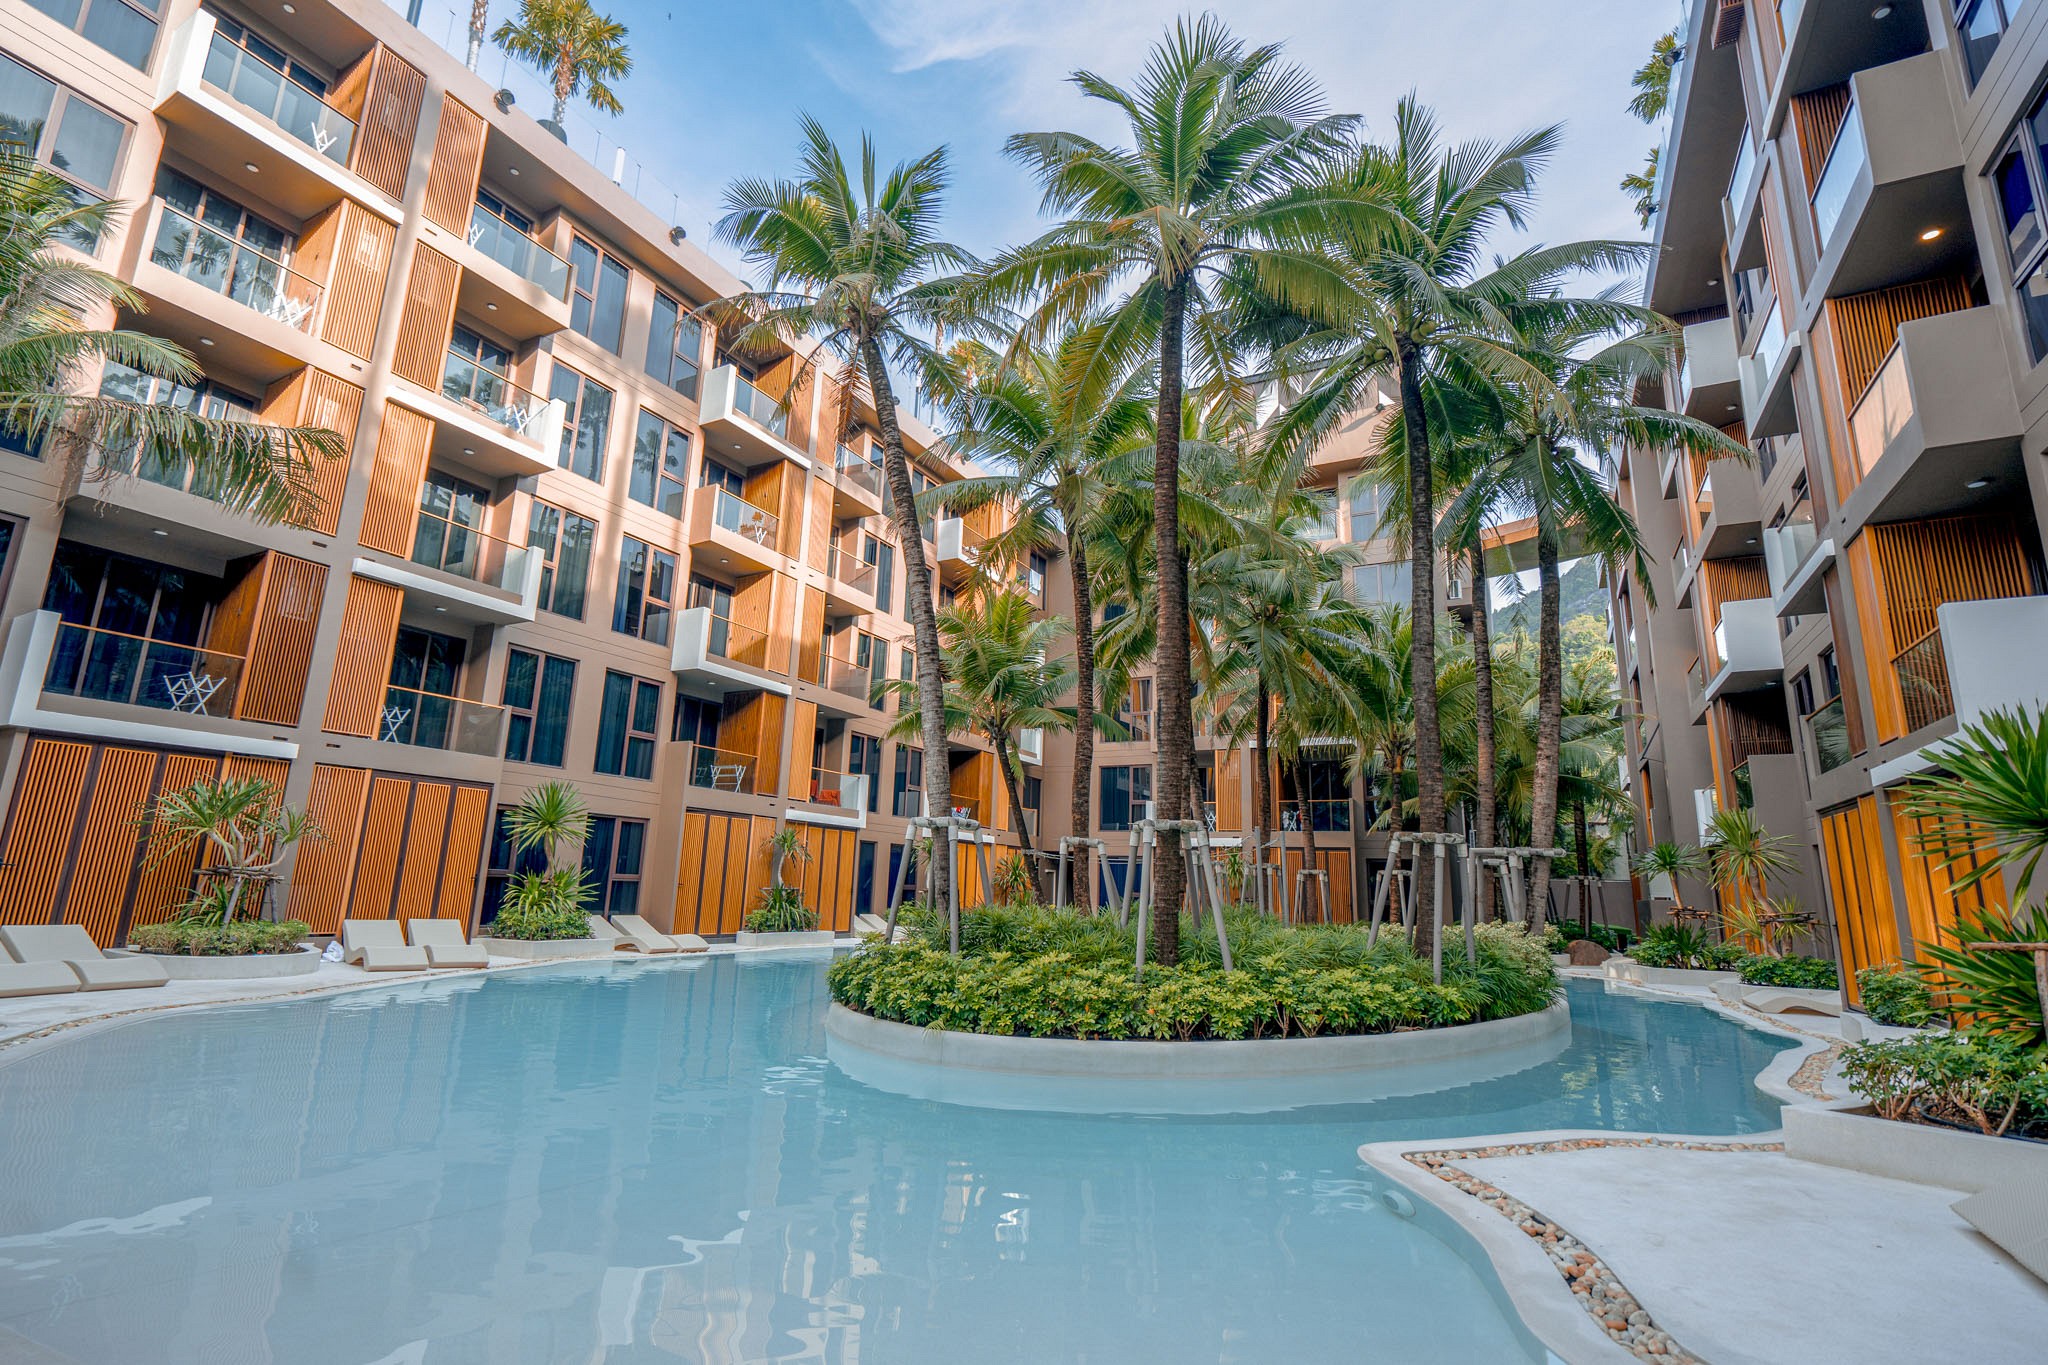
(70, 946)
(634, 926)
(34, 978)
(378, 945)
(445, 945)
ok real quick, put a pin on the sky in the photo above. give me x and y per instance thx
(716, 89)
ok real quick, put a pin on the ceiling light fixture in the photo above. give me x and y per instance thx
(158, 531)
(469, 450)
(491, 307)
(250, 167)
(1930, 234)
(1978, 483)
(206, 341)
(291, 9)
(1881, 12)
(511, 170)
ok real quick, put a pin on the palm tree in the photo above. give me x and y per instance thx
(1225, 142)
(577, 49)
(1986, 809)
(1641, 188)
(1744, 855)
(479, 24)
(1672, 860)
(1404, 298)
(1652, 80)
(1002, 677)
(863, 273)
(546, 818)
(1052, 441)
(265, 472)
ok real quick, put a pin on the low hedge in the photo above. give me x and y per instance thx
(1969, 1078)
(540, 923)
(1797, 973)
(1895, 995)
(204, 938)
(1035, 973)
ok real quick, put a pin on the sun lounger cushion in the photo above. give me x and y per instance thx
(689, 943)
(644, 935)
(71, 946)
(378, 945)
(601, 929)
(35, 978)
(445, 945)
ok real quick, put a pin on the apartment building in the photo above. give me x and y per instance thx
(1849, 225)
(575, 536)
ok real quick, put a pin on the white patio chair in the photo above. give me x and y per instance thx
(394, 717)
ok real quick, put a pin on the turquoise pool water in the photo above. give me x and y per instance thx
(654, 1163)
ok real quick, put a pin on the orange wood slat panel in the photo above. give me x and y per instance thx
(465, 853)
(164, 887)
(821, 524)
(803, 749)
(384, 826)
(811, 637)
(321, 873)
(429, 313)
(1932, 900)
(233, 623)
(728, 844)
(390, 121)
(1865, 326)
(109, 844)
(426, 844)
(362, 663)
(458, 157)
(40, 828)
(693, 876)
(361, 256)
(336, 405)
(1230, 800)
(390, 513)
(1861, 888)
(1817, 117)
(281, 654)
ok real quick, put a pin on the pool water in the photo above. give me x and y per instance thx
(624, 1163)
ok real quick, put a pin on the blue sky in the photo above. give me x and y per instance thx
(716, 88)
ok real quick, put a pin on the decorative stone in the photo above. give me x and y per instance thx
(1585, 953)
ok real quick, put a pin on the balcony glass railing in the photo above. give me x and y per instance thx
(1882, 412)
(466, 551)
(431, 720)
(136, 670)
(1828, 728)
(845, 569)
(1738, 182)
(830, 787)
(1770, 343)
(743, 519)
(1922, 671)
(1845, 162)
(1788, 18)
(518, 253)
(855, 469)
(1785, 550)
(758, 408)
(503, 403)
(721, 770)
(848, 678)
(256, 85)
(210, 258)
(738, 644)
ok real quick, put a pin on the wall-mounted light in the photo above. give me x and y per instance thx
(504, 100)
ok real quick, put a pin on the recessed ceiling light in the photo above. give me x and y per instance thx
(158, 531)
(492, 307)
(206, 341)
(250, 167)
(1978, 483)
(291, 9)
(511, 170)
(1735, 407)
(1881, 12)
(1750, 541)
(723, 560)
(1714, 283)
(440, 608)
(1930, 234)
(469, 450)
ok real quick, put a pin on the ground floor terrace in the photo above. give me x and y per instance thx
(328, 1169)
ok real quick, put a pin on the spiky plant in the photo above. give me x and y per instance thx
(574, 47)
(238, 829)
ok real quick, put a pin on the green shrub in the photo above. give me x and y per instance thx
(1895, 995)
(540, 921)
(781, 911)
(1685, 948)
(1982, 1079)
(1994, 989)
(197, 938)
(1798, 973)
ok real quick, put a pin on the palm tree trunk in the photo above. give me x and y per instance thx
(1262, 781)
(1429, 740)
(1176, 713)
(919, 605)
(1305, 814)
(1084, 719)
(479, 19)
(1549, 721)
(1010, 785)
(1581, 852)
(565, 86)
(1484, 759)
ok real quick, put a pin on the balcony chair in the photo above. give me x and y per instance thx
(444, 943)
(378, 945)
(70, 946)
(727, 776)
(191, 690)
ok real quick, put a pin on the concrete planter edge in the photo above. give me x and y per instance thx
(799, 938)
(541, 950)
(239, 967)
(1922, 1153)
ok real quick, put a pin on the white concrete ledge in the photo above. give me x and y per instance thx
(543, 949)
(795, 938)
(1115, 1076)
(1628, 969)
(1919, 1152)
(241, 967)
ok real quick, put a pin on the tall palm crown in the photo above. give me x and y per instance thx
(1226, 141)
(47, 345)
(575, 47)
(863, 271)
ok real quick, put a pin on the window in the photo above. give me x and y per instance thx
(502, 865)
(564, 540)
(661, 459)
(589, 419)
(1981, 24)
(420, 704)
(907, 795)
(882, 555)
(131, 627)
(1136, 710)
(612, 853)
(537, 692)
(488, 355)
(716, 475)
(1368, 503)
(2020, 179)
(1035, 579)
(1033, 792)
(597, 307)
(647, 591)
(674, 342)
(864, 756)
(906, 669)
(1386, 583)
(213, 241)
(626, 724)
(1125, 794)
(696, 721)
(1831, 676)
(1321, 523)
(451, 513)
(1802, 693)
(126, 28)
(205, 398)
(80, 141)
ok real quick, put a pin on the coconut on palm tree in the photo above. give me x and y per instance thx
(1225, 141)
(576, 49)
(48, 299)
(865, 272)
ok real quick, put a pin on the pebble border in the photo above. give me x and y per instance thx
(1599, 1290)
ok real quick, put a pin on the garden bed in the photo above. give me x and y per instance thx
(1924, 1153)
(301, 961)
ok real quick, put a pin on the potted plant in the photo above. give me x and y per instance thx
(780, 918)
(1679, 955)
(235, 832)
(546, 910)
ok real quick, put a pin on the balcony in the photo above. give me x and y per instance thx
(1796, 562)
(968, 807)
(186, 268)
(1731, 510)
(510, 280)
(837, 790)
(1826, 43)
(245, 113)
(733, 533)
(489, 422)
(1892, 174)
(743, 425)
(848, 687)
(1827, 731)
(849, 584)
(959, 550)
(713, 656)
(430, 720)
(1748, 653)
(721, 770)
(100, 685)
(462, 573)
(1938, 416)
(1994, 654)
(1766, 377)
(1708, 387)
(857, 485)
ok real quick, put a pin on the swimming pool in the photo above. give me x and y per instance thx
(625, 1163)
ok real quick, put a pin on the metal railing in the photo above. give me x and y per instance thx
(466, 551)
(518, 252)
(432, 720)
(212, 259)
(1922, 670)
(855, 468)
(1882, 411)
(758, 408)
(139, 670)
(721, 770)
(1845, 159)
(743, 519)
(490, 394)
(1137, 724)
(256, 85)
(1828, 728)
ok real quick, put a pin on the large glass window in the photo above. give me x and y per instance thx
(1980, 24)
(864, 756)
(205, 398)
(451, 516)
(675, 341)
(2020, 178)
(696, 720)
(79, 140)
(420, 705)
(880, 553)
(1391, 584)
(537, 692)
(612, 853)
(126, 28)
(907, 794)
(501, 865)
(1368, 502)
(661, 465)
(646, 594)
(131, 629)
(1126, 791)
(597, 307)
(627, 718)
(564, 541)
(589, 405)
